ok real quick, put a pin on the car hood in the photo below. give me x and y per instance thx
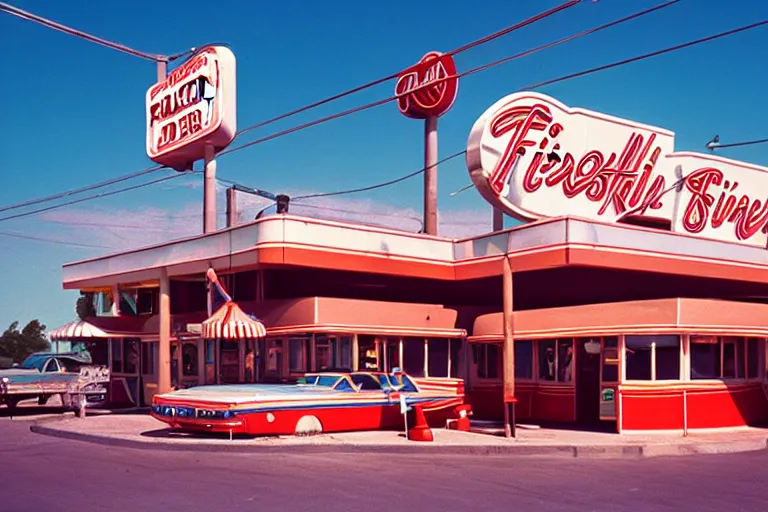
(243, 393)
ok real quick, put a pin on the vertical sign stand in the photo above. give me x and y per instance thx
(430, 175)
(404, 411)
(426, 91)
(209, 190)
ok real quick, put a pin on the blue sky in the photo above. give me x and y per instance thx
(73, 112)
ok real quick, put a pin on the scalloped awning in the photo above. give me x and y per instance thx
(229, 322)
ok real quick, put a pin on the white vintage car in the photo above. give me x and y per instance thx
(43, 375)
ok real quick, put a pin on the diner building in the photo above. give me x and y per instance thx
(640, 327)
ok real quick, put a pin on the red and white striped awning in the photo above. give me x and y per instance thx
(77, 329)
(229, 322)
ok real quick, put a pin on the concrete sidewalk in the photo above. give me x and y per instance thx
(143, 432)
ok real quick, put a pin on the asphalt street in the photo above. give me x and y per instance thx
(43, 473)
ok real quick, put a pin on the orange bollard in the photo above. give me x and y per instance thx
(463, 411)
(419, 430)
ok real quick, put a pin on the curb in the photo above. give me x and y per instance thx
(634, 451)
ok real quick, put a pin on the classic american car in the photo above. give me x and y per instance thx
(320, 402)
(43, 375)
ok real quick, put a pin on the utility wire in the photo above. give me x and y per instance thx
(10, 9)
(475, 70)
(495, 35)
(392, 76)
(540, 84)
(50, 240)
(83, 189)
(88, 198)
(736, 144)
(454, 77)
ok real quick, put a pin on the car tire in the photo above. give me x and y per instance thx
(308, 426)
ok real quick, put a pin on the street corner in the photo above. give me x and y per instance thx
(141, 431)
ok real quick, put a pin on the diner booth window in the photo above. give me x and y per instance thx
(97, 350)
(487, 359)
(368, 355)
(413, 357)
(652, 357)
(148, 355)
(524, 359)
(297, 355)
(556, 360)
(610, 353)
(724, 357)
(438, 357)
(189, 366)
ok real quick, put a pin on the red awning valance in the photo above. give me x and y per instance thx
(229, 322)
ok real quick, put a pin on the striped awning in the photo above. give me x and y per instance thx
(76, 329)
(229, 322)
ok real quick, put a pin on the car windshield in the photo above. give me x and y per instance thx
(366, 382)
(399, 382)
(34, 363)
(326, 381)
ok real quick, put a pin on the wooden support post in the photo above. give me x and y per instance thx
(508, 352)
(164, 343)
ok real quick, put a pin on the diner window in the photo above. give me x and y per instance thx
(368, 359)
(189, 360)
(325, 353)
(724, 357)
(565, 360)
(117, 355)
(556, 360)
(210, 351)
(457, 357)
(148, 351)
(652, 357)
(413, 356)
(486, 357)
(392, 351)
(523, 359)
(753, 358)
(131, 356)
(438, 357)
(274, 357)
(297, 361)
(345, 352)
(610, 353)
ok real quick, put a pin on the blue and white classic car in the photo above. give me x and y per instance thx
(70, 376)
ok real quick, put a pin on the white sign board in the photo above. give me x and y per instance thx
(533, 157)
(194, 106)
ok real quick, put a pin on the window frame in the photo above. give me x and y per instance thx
(682, 361)
(722, 341)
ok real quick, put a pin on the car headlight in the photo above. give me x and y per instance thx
(5, 380)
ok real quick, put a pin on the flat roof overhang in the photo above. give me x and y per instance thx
(287, 240)
(663, 316)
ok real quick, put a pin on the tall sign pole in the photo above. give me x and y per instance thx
(191, 115)
(426, 91)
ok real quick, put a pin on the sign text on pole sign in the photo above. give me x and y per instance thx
(534, 157)
(195, 105)
(433, 72)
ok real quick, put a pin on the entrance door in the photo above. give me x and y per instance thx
(588, 381)
(229, 365)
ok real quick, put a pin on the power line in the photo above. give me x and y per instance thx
(10, 9)
(460, 75)
(737, 144)
(88, 198)
(474, 70)
(649, 55)
(566, 77)
(83, 189)
(51, 240)
(379, 185)
(478, 42)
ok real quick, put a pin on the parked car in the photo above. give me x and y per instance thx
(320, 402)
(43, 375)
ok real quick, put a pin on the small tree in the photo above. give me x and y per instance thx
(18, 345)
(84, 306)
